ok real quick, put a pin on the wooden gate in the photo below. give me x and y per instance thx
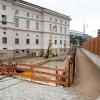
(34, 73)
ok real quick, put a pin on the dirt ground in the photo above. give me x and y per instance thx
(87, 80)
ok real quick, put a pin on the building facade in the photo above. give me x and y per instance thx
(25, 28)
(77, 37)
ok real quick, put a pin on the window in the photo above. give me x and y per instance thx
(55, 42)
(17, 52)
(22, 50)
(27, 24)
(16, 22)
(4, 7)
(4, 40)
(37, 17)
(16, 40)
(27, 41)
(60, 29)
(4, 33)
(4, 48)
(50, 27)
(50, 19)
(16, 34)
(4, 19)
(37, 41)
(56, 20)
(16, 12)
(37, 25)
(60, 41)
(27, 35)
(64, 43)
(28, 51)
(55, 28)
(61, 21)
(37, 36)
(28, 14)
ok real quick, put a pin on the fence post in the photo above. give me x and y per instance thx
(14, 69)
(56, 77)
(31, 69)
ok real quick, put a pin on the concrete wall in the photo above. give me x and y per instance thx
(93, 57)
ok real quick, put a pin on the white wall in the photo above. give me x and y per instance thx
(93, 57)
(43, 32)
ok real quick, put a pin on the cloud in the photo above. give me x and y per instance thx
(81, 11)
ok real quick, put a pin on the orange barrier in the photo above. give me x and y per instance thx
(33, 69)
(93, 45)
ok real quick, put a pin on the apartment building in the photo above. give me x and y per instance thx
(25, 28)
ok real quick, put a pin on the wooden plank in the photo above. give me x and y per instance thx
(45, 67)
(50, 74)
(23, 75)
(42, 67)
(23, 69)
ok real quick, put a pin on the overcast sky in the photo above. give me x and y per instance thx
(81, 12)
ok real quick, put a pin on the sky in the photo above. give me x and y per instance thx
(81, 12)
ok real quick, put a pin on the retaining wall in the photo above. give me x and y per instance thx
(93, 57)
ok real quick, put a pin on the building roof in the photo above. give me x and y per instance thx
(42, 9)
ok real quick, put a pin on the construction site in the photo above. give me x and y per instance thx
(73, 76)
(37, 60)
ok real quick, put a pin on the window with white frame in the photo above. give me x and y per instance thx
(16, 40)
(27, 41)
(16, 12)
(4, 19)
(37, 17)
(50, 27)
(55, 42)
(60, 41)
(37, 41)
(27, 24)
(4, 33)
(50, 19)
(4, 40)
(28, 14)
(55, 28)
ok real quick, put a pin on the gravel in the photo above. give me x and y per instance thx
(22, 90)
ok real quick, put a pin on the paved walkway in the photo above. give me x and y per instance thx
(87, 81)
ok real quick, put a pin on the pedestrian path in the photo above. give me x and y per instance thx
(87, 77)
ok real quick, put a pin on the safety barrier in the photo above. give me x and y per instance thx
(93, 45)
(32, 71)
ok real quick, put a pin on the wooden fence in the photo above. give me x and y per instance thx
(93, 45)
(60, 75)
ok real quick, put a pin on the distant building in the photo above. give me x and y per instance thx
(77, 37)
(26, 28)
(98, 32)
